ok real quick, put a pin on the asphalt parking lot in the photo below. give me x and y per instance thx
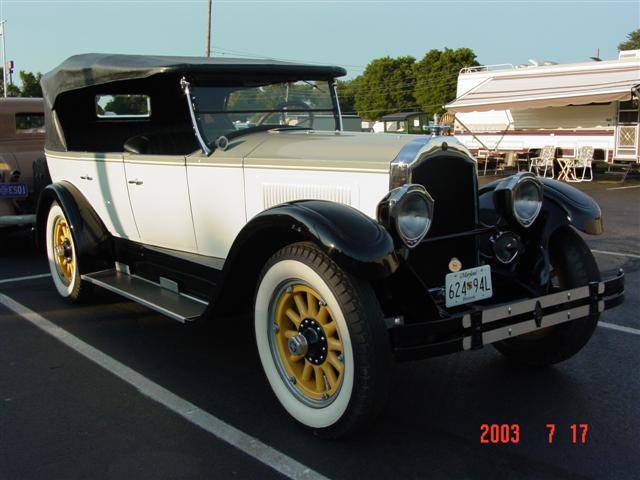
(63, 415)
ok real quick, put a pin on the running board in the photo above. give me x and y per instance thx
(172, 304)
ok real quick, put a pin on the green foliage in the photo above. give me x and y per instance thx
(30, 84)
(632, 42)
(128, 105)
(386, 86)
(437, 76)
(390, 85)
(347, 94)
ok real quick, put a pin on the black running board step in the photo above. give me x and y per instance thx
(174, 305)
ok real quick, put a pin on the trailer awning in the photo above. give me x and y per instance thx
(519, 91)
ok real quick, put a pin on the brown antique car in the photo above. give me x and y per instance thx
(23, 172)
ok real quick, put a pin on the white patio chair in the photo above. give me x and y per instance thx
(545, 160)
(583, 160)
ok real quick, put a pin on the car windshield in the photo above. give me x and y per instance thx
(230, 110)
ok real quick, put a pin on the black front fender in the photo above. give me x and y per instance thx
(563, 206)
(357, 243)
(92, 241)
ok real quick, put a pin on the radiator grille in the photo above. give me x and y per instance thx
(277, 193)
(451, 181)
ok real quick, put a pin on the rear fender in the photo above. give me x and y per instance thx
(93, 243)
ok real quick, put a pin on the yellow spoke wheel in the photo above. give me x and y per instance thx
(63, 250)
(307, 343)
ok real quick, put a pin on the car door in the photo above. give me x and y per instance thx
(216, 188)
(159, 196)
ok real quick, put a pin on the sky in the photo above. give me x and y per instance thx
(40, 34)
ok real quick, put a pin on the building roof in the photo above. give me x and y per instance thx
(401, 116)
(90, 69)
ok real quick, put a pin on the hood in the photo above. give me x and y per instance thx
(327, 150)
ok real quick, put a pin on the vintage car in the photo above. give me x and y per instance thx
(22, 164)
(198, 187)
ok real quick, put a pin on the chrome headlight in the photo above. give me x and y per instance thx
(409, 211)
(520, 198)
(527, 200)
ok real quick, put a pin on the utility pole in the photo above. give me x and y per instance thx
(208, 49)
(4, 59)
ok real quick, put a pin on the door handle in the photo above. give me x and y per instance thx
(85, 177)
(136, 182)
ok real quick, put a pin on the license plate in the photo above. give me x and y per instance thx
(13, 190)
(468, 286)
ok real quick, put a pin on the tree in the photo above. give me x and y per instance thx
(347, 94)
(386, 86)
(437, 77)
(127, 105)
(632, 42)
(30, 84)
(12, 90)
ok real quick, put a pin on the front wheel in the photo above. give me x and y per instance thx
(572, 265)
(322, 341)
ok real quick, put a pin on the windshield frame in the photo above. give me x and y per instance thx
(209, 146)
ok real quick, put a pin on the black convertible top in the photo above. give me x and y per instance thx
(89, 69)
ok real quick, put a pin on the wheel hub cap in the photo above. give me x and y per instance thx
(298, 345)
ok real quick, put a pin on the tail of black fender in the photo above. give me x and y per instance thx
(357, 243)
(92, 240)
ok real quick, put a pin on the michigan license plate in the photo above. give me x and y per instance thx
(13, 190)
(468, 286)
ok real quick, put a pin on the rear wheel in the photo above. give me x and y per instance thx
(322, 341)
(63, 260)
(572, 265)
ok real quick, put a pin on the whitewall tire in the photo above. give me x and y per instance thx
(321, 340)
(61, 254)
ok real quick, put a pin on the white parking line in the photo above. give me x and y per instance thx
(620, 328)
(20, 279)
(617, 254)
(623, 188)
(244, 442)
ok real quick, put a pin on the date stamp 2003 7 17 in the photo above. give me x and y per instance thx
(509, 433)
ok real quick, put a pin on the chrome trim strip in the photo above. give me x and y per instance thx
(334, 85)
(186, 87)
(411, 154)
(525, 306)
(529, 326)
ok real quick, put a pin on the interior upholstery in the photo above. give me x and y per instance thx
(163, 143)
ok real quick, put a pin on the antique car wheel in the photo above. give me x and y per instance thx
(572, 265)
(61, 253)
(322, 341)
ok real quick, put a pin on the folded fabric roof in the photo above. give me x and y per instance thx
(550, 87)
(91, 69)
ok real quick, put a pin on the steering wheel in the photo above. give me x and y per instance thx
(290, 105)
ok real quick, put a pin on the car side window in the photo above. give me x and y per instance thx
(123, 106)
(27, 123)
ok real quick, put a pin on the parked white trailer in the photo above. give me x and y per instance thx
(520, 108)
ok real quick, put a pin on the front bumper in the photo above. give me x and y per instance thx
(484, 325)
